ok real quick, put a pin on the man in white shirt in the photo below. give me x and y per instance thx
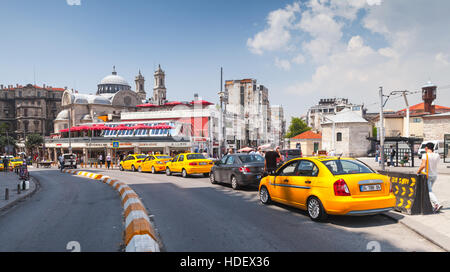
(430, 162)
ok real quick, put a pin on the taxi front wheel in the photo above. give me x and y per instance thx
(168, 173)
(315, 209)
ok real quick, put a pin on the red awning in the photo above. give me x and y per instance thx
(201, 102)
(121, 127)
(141, 126)
(173, 103)
(148, 105)
(100, 127)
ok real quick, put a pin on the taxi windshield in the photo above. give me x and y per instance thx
(346, 167)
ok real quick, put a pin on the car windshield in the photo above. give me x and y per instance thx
(163, 157)
(141, 157)
(345, 167)
(195, 157)
(251, 158)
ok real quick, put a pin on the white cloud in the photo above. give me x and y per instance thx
(414, 49)
(283, 64)
(299, 59)
(73, 2)
(277, 35)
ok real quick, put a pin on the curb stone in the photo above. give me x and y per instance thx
(37, 186)
(140, 235)
(431, 235)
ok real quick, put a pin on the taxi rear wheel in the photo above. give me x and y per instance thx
(315, 209)
(184, 173)
(153, 170)
(168, 173)
(133, 168)
(140, 169)
(264, 195)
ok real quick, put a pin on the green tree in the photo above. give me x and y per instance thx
(5, 138)
(296, 127)
(33, 141)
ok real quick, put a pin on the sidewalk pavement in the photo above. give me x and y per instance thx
(10, 180)
(434, 227)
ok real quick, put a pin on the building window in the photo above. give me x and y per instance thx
(339, 137)
(417, 120)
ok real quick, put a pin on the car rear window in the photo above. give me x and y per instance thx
(141, 157)
(291, 152)
(163, 157)
(195, 157)
(251, 158)
(346, 167)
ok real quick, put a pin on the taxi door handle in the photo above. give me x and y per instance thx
(308, 182)
(286, 180)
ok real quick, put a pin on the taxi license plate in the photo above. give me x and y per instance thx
(372, 187)
(202, 163)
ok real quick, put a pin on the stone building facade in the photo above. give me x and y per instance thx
(249, 101)
(436, 126)
(29, 109)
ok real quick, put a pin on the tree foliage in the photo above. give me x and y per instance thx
(296, 127)
(33, 141)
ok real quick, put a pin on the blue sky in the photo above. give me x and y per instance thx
(301, 50)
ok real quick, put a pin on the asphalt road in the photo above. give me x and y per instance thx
(194, 215)
(65, 209)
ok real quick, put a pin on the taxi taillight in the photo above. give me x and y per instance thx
(192, 163)
(341, 188)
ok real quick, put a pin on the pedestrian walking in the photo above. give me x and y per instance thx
(100, 160)
(108, 161)
(392, 155)
(5, 163)
(61, 162)
(270, 161)
(377, 154)
(430, 162)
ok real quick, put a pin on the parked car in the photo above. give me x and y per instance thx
(290, 154)
(154, 163)
(329, 185)
(70, 160)
(189, 164)
(238, 170)
(438, 148)
(15, 162)
(132, 162)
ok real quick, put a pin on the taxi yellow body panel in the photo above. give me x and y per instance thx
(190, 163)
(295, 190)
(158, 162)
(132, 161)
(15, 162)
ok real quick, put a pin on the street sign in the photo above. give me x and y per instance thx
(115, 144)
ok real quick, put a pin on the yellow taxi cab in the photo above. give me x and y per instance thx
(328, 185)
(154, 163)
(132, 162)
(188, 164)
(15, 162)
(1, 166)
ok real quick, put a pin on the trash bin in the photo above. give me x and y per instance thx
(411, 192)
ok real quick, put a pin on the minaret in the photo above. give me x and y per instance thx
(159, 91)
(428, 96)
(140, 89)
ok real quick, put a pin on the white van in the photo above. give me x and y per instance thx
(438, 148)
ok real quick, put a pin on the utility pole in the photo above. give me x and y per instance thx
(221, 130)
(381, 130)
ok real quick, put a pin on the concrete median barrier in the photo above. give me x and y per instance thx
(139, 234)
(411, 192)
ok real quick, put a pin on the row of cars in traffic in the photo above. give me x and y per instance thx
(319, 185)
(13, 162)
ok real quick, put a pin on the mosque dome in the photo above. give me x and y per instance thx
(112, 83)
